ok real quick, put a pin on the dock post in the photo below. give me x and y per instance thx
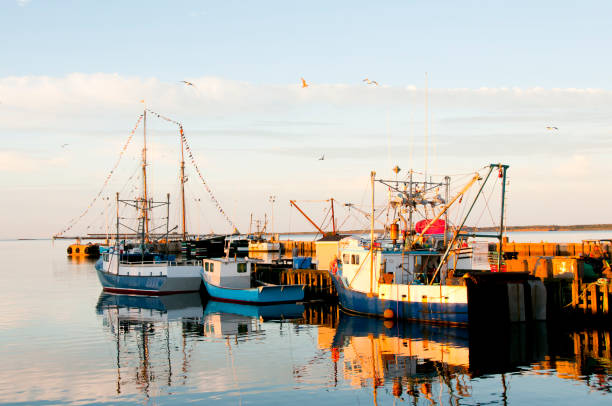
(575, 293)
(594, 290)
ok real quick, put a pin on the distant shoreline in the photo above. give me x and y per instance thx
(553, 227)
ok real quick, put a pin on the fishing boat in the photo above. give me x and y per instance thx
(139, 270)
(407, 276)
(231, 280)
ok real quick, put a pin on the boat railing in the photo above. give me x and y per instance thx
(160, 263)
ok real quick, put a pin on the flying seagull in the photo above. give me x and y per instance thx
(370, 82)
(551, 128)
(322, 157)
(187, 83)
(64, 145)
(304, 84)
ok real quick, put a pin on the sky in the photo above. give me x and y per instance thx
(498, 73)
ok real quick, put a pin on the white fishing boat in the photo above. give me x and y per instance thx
(408, 278)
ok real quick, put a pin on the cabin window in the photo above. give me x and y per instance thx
(78, 250)
(242, 268)
(355, 259)
(346, 259)
(206, 266)
(212, 267)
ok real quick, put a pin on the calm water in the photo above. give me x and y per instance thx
(63, 342)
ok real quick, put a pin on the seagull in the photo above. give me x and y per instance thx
(304, 84)
(370, 82)
(322, 157)
(187, 83)
(64, 145)
(551, 128)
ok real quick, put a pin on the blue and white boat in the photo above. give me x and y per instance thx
(147, 274)
(229, 280)
(409, 277)
(393, 284)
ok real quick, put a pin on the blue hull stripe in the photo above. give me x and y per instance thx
(151, 285)
(263, 295)
(359, 302)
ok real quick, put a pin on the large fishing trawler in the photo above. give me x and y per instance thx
(409, 276)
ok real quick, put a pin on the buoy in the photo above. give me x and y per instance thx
(388, 314)
(389, 324)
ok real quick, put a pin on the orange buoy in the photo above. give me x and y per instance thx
(388, 314)
(388, 323)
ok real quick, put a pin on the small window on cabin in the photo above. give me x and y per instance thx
(242, 268)
(78, 250)
(355, 259)
(206, 266)
(212, 267)
(346, 258)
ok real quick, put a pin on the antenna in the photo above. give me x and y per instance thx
(426, 125)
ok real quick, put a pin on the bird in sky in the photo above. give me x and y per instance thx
(64, 145)
(370, 82)
(304, 84)
(550, 128)
(187, 83)
(322, 157)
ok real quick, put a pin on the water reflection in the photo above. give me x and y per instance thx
(224, 320)
(141, 326)
(163, 343)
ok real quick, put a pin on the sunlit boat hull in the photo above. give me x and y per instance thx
(424, 310)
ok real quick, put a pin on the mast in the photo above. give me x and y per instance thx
(145, 203)
(333, 219)
(410, 200)
(372, 175)
(183, 184)
(502, 174)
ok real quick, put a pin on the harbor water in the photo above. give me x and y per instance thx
(62, 341)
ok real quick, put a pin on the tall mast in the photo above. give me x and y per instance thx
(333, 219)
(372, 175)
(426, 126)
(183, 183)
(145, 203)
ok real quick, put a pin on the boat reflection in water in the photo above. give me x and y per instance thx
(222, 319)
(147, 326)
(426, 361)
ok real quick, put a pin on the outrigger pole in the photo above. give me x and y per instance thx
(502, 174)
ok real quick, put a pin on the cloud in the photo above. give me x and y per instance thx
(103, 93)
(23, 3)
(15, 161)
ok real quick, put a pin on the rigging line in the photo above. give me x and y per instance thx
(192, 158)
(486, 200)
(73, 222)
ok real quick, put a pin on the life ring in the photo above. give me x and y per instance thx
(334, 266)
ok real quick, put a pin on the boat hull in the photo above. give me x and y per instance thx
(424, 311)
(147, 285)
(261, 295)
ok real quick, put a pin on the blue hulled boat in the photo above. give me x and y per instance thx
(229, 280)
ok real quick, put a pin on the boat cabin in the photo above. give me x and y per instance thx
(228, 272)
(391, 265)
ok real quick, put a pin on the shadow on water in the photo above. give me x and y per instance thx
(402, 360)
